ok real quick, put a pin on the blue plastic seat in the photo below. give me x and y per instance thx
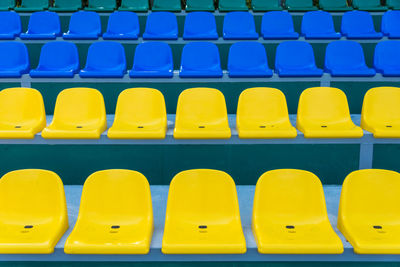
(52, 63)
(200, 26)
(200, 60)
(278, 25)
(318, 25)
(390, 26)
(296, 59)
(14, 59)
(105, 60)
(387, 58)
(43, 25)
(359, 25)
(152, 59)
(346, 59)
(122, 25)
(84, 25)
(239, 25)
(248, 59)
(161, 26)
(10, 26)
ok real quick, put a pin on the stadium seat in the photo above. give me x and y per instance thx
(290, 216)
(248, 59)
(32, 5)
(266, 5)
(387, 58)
(22, 113)
(323, 112)
(66, 5)
(105, 60)
(7, 5)
(84, 25)
(116, 207)
(167, 5)
(300, 5)
(390, 26)
(53, 64)
(79, 114)
(318, 25)
(14, 59)
(43, 25)
(239, 26)
(369, 213)
(140, 114)
(262, 113)
(201, 114)
(296, 59)
(203, 215)
(278, 25)
(200, 26)
(11, 26)
(101, 5)
(393, 4)
(122, 25)
(152, 60)
(232, 5)
(161, 26)
(359, 25)
(346, 59)
(200, 60)
(134, 5)
(369, 5)
(28, 224)
(381, 112)
(334, 5)
(200, 5)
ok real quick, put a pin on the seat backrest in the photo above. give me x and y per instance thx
(322, 104)
(77, 105)
(387, 55)
(370, 196)
(21, 105)
(344, 54)
(68, 3)
(247, 55)
(366, 3)
(123, 22)
(35, 3)
(115, 195)
(357, 22)
(208, 193)
(52, 59)
(274, 22)
(6, 4)
(294, 55)
(198, 22)
(13, 55)
(85, 22)
(381, 105)
(150, 55)
(333, 3)
(44, 22)
(289, 195)
(317, 22)
(102, 3)
(161, 23)
(25, 196)
(391, 22)
(299, 3)
(239, 22)
(201, 107)
(106, 55)
(136, 106)
(11, 23)
(200, 56)
(261, 104)
(393, 3)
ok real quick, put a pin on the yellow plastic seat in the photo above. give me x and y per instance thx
(140, 114)
(290, 217)
(201, 114)
(369, 211)
(262, 113)
(323, 112)
(33, 212)
(79, 114)
(115, 216)
(203, 215)
(381, 112)
(22, 113)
